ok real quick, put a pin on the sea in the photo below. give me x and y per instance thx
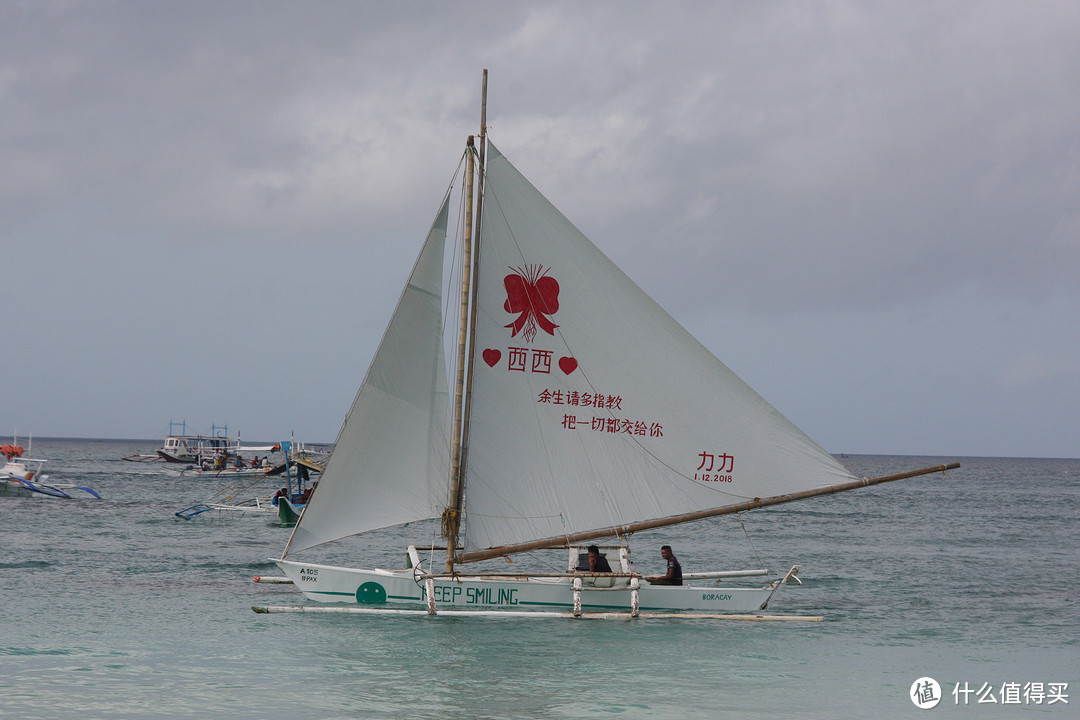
(956, 591)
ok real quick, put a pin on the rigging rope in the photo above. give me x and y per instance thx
(749, 541)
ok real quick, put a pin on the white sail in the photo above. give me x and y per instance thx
(591, 407)
(390, 463)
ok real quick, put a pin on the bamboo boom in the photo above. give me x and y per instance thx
(690, 517)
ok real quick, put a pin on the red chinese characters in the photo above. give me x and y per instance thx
(615, 426)
(604, 424)
(519, 359)
(715, 467)
(580, 399)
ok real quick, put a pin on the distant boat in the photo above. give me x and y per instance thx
(229, 473)
(216, 448)
(581, 412)
(23, 477)
(249, 489)
(291, 499)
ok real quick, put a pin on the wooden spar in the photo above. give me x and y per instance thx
(467, 339)
(531, 614)
(451, 517)
(477, 247)
(483, 134)
(566, 541)
(470, 364)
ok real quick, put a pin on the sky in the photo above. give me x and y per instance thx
(869, 211)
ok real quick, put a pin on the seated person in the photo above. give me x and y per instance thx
(597, 562)
(674, 569)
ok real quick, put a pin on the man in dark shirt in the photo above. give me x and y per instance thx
(597, 562)
(674, 569)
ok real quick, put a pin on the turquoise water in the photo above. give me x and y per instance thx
(117, 609)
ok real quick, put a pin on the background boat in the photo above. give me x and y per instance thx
(23, 477)
(215, 448)
(256, 490)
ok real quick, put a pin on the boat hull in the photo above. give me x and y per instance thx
(233, 474)
(14, 488)
(288, 513)
(327, 583)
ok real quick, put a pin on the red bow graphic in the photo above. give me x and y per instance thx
(534, 296)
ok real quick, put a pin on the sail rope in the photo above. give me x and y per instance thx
(519, 517)
(544, 563)
(749, 541)
(450, 321)
(231, 492)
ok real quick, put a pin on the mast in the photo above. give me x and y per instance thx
(689, 517)
(451, 519)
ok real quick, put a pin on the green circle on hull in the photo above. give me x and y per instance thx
(370, 593)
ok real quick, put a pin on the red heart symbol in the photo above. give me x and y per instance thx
(567, 365)
(491, 357)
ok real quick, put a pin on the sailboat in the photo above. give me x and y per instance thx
(249, 491)
(582, 412)
(23, 477)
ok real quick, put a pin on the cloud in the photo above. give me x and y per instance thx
(781, 164)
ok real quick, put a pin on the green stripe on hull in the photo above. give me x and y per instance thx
(406, 598)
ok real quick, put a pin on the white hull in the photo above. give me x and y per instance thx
(325, 583)
(14, 488)
(231, 474)
(23, 478)
(19, 470)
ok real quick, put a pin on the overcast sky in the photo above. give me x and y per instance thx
(870, 211)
